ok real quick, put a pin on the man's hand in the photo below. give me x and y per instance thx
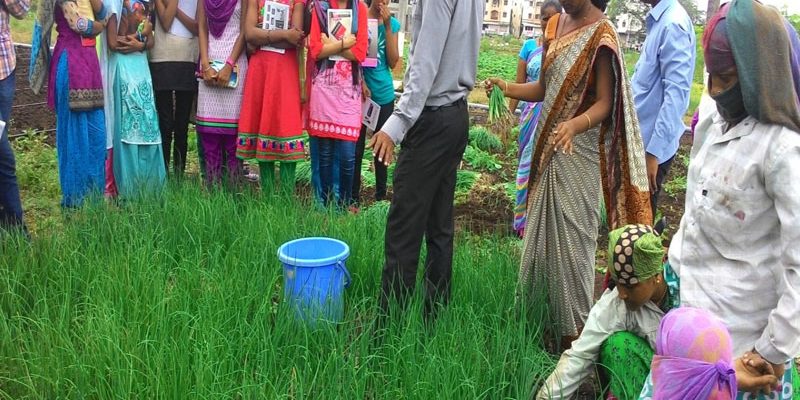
(652, 171)
(754, 374)
(383, 147)
(777, 369)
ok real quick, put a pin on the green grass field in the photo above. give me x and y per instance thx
(22, 29)
(181, 298)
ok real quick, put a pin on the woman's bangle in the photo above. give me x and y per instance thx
(506, 89)
(144, 42)
(230, 62)
(588, 119)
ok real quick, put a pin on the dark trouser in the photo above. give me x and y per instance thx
(173, 121)
(663, 169)
(380, 168)
(422, 204)
(10, 203)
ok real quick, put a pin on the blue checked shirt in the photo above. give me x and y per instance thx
(662, 81)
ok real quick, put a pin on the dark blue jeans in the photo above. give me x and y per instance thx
(10, 203)
(337, 160)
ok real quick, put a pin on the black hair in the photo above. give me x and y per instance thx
(601, 4)
(551, 4)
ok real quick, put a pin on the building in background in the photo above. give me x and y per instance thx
(531, 19)
(518, 18)
(497, 17)
(630, 26)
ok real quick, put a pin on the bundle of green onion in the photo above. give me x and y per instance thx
(501, 121)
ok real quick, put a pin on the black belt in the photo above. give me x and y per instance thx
(437, 108)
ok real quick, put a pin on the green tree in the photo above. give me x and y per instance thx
(694, 13)
(711, 9)
(795, 21)
(639, 10)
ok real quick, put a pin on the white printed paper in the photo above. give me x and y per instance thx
(372, 47)
(340, 24)
(371, 111)
(276, 16)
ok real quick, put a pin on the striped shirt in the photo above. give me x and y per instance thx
(736, 251)
(8, 57)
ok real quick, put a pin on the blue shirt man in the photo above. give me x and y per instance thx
(662, 83)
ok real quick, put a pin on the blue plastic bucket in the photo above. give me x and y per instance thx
(314, 277)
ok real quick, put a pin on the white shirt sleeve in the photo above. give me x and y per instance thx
(605, 319)
(780, 340)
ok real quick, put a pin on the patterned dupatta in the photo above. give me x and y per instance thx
(567, 71)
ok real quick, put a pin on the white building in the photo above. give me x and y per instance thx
(631, 31)
(531, 19)
(498, 16)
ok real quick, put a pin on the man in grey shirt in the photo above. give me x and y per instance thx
(432, 122)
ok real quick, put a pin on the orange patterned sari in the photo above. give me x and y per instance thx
(624, 173)
(565, 191)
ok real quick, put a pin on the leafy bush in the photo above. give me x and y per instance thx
(481, 138)
(465, 179)
(481, 160)
(494, 64)
(511, 190)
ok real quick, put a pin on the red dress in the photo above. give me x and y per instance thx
(270, 124)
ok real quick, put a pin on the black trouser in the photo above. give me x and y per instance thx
(173, 121)
(422, 204)
(380, 168)
(663, 169)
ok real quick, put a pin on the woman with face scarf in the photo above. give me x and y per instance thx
(736, 249)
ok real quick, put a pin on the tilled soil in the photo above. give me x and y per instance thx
(30, 111)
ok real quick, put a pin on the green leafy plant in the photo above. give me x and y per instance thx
(481, 160)
(491, 63)
(481, 138)
(465, 179)
(501, 121)
(675, 186)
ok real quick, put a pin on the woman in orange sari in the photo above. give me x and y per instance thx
(588, 143)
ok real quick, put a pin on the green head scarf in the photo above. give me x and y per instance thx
(635, 254)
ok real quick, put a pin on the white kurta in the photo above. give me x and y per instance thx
(737, 251)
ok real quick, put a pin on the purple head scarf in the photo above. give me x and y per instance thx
(218, 13)
(694, 355)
